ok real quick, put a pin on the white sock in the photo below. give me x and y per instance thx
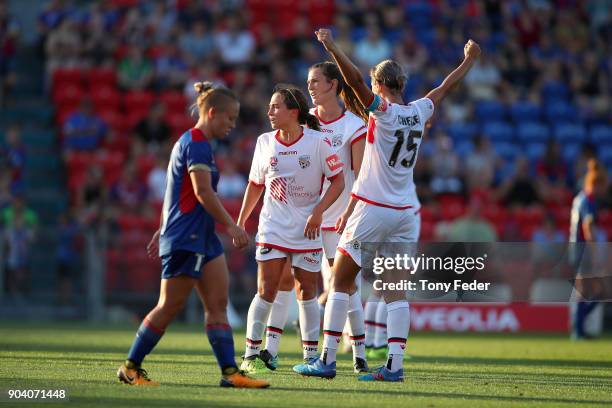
(356, 325)
(370, 319)
(380, 334)
(256, 322)
(277, 321)
(398, 323)
(310, 324)
(335, 317)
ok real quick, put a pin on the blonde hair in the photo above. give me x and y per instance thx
(211, 95)
(390, 74)
(596, 174)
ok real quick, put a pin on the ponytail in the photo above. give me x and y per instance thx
(312, 122)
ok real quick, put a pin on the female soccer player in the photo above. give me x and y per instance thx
(291, 164)
(190, 251)
(384, 206)
(583, 224)
(345, 131)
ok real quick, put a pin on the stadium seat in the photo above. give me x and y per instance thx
(567, 132)
(62, 77)
(461, 132)
(570, 151)
(464, 148)
(101, 77)
(175, 101)
(105, 97)
(601, 134)
(554, 91)
(525, 111)
(498, 131)
(535, 150)
(138, 100)
(530, 132)
(68, 94)
(507, 150)
(559, 111)
(491, 110)
(605, 154)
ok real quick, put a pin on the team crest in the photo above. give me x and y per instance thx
(273, 163)
(356, 245)
(304, 161)
(336, 141)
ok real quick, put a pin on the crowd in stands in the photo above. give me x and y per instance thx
(503, 159)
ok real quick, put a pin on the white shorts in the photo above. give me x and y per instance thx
(308, 261)
(378, 225)
(330, 243)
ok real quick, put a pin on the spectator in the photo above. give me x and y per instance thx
(472, 227)
(19, 229)
(156, 180)
(9, 40)
(63, 47)
(68, 255)
(445, 177)
(152, 130)
(519, 190)
(92, 197)
(6, 195)
(551, 170)
(135, 70)
(14, 156)
(234, 44)
(483, 79)
(231, 183)
(128, 195)
(372, 49)
(170, 68)
(83, 130)
(481, 164)
(161, 21)
(197, 44)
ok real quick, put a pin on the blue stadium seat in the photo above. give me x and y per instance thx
(554, 90)
(605, 154)
(498, 131)
(490, 111)
(570, 151)
(462, 131)
(530, 132)
(506, 150)
(568, 132)
(535, 150)
(464, 148)
(525, 111)
(601, 134)
(561, 112)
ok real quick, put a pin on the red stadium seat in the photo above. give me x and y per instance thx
(138, 100)
(62, 77)
(175, 102)
(101, 77)
(144, 165)
(105, 97)
(68, 94)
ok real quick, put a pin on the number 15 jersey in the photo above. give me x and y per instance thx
(392, 144)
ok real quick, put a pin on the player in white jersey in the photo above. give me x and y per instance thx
(345, 131)
(384, 205)
(291, 163)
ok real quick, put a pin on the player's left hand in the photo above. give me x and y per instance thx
(153, 246)
(471, 50)
(325, 37)
(313, 225)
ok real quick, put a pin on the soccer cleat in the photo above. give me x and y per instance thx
(252, 365)
(135, 376)
(360, 366)
(268, 359)
(383, 374)
(377, 353)
(239, 379)
(311, 359)
(316, 369)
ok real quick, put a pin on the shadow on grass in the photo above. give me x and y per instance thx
(509, 361)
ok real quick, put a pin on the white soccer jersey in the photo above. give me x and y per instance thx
(293, 175)
(341, 133)
(392, 145)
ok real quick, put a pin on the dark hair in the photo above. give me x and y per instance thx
(346, 93)
(211, 95)
(295, 99)
(390, 74)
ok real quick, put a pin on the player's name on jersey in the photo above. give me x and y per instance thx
(426, 285)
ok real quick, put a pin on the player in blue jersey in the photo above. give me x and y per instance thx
(582, 230)
(190, 251)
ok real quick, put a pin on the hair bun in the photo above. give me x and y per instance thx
(202, 87)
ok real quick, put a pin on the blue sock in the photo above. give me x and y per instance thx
(146, 339)
(583, 309)
(222, 341)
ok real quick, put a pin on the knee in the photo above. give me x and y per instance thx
(170, 307)
(267, 291)
(217, 306)
(306, 290)
(341, 284)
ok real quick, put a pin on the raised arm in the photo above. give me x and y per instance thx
(471, 53)
(351, 74)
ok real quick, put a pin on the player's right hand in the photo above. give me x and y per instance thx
(341, 222)
(240, 238)
(153, 246)
(471, 49)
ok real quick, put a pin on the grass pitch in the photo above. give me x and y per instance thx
(444, 371)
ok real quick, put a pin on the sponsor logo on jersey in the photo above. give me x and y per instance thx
(326, 131)
(304, 161)
(264, 250)
(336, 141)
(333, 162)
(310, 260)
(288, 153)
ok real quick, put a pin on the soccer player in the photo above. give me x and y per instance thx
(291, 163)
(583, 224)
(191, 253)
(345, 131)
(384, 206)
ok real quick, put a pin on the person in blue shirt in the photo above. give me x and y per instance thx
(583, 224)
(190, 251)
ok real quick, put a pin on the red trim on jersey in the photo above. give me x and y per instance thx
(365, 200)
(358, 138)
(371, 127)
(278, 139)
(197, 135)
(334, 176)
(187, 198)
(282, 248)
(257, 184)
(328, 228)
(345, 252)
(316, 112)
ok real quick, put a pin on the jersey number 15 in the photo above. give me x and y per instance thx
(411, 146)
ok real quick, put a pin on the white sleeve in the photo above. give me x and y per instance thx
(257, 174)
(426, 109)
(330, 161)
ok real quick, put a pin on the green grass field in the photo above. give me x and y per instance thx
(444, 371)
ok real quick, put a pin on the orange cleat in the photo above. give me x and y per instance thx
(135, 376)
(239, 379)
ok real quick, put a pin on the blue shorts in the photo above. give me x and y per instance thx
(187, 263)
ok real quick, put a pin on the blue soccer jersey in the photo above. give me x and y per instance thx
(584, 208)
(185, 224)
